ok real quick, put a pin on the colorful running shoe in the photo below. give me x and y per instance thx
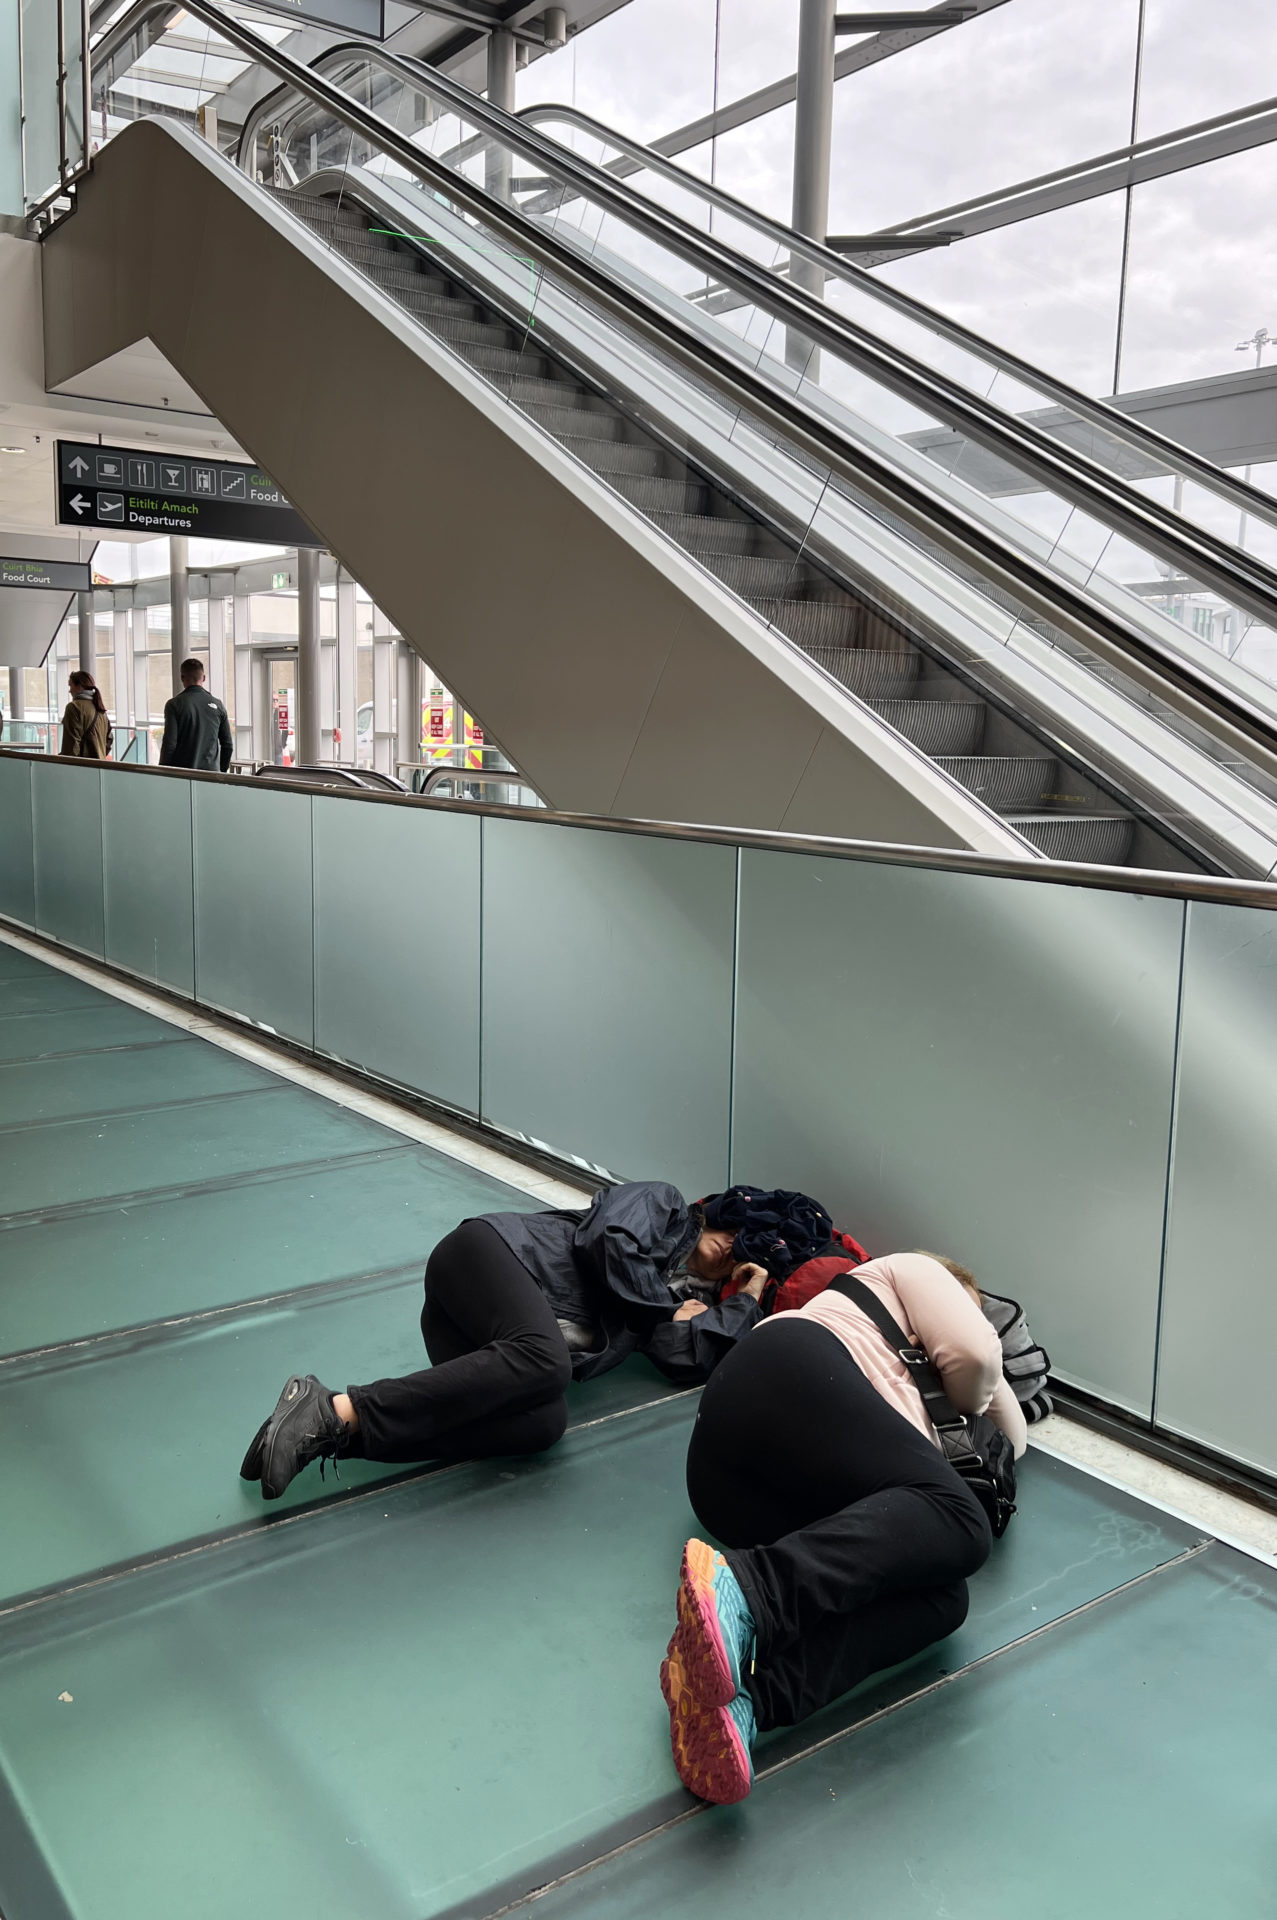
(715, 1632)
(711, 1744)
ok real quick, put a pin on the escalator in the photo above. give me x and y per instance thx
(1055, 804)
(921, 652)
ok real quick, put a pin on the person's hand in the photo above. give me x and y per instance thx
(750, 1278)
(690, 1309)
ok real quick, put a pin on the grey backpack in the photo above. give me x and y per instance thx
(1025, 1364)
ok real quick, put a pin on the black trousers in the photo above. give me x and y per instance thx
(851, 1536)
(499, 1365)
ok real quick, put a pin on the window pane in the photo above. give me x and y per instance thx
(645, 69)
(756, 163)
(1196, 284)
(1202, 61)
(1046, 288)
(1010, 95)
(758, 43)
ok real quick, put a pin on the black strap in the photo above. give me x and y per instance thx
(923, 1370)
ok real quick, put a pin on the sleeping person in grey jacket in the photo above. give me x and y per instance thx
(520, 1304)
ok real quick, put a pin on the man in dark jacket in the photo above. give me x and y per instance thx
(517, 1306)
(197, 729)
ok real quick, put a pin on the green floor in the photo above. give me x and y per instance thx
(421, 1693)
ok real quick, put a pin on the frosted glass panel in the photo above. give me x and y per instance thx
(397, 944)
(253, 904)
(974, 1065)
(146, 863)
(1220, 1302)
(607, 997)
(17, 846)
(981, 1065)
(66, 806)
(40, 106)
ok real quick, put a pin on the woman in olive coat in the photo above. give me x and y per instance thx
(86, 731)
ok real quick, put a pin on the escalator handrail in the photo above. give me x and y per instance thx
(1242, 579)
(1099, 413)
(961, 538)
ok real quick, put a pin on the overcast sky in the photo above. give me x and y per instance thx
(1031, 86)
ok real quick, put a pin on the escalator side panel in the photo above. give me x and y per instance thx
(550, 608)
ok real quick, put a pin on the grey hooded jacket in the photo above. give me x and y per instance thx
(609, 1267)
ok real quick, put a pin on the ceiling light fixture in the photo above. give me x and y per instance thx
(12, 449)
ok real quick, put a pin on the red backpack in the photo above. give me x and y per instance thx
(805, 1282)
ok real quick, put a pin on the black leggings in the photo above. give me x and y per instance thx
(851, 1536)
(499, 1363)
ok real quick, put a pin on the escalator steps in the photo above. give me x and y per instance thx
(568, 423)
(809, 623)
(654, 493)
(616, 456)
(1103, 839)
(1004, 781)
(785, 590)
(938, 727)
(866, 671)
(702, 533)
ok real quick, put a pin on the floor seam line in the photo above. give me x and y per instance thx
(134, 1334)
(128, 1113)
(439, 1130)
(207, 1543)
(60, 1013)
(180, 1189)
(84, 1053)
(995, 1653)
(847, 1733)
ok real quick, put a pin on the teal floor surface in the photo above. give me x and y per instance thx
(432, 1692)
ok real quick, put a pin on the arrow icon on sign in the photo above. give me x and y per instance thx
(79, 466)
(79, 502)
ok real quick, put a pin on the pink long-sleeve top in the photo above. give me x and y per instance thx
(932, 1307)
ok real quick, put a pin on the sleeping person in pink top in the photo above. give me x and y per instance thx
(849, 1537)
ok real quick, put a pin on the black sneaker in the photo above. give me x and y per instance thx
(302, 1428)
(250, 1467)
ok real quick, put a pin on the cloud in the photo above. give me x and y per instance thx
(1030, 86)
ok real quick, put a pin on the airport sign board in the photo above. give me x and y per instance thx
(136, 490)
(62, 576)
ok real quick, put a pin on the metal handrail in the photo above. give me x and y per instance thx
(1097, 879)
(1241, 578)
(1029, 582)
(1101, 414)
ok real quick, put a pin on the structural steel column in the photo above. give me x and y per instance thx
(242, 661)
(347, 671)
(17, 694)
(383, 703)
(179, 600)
(501, 94)
(88, 642)
(813, 140)
(408, 708)
(308, 716)
(122, 652)
(216, 644)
